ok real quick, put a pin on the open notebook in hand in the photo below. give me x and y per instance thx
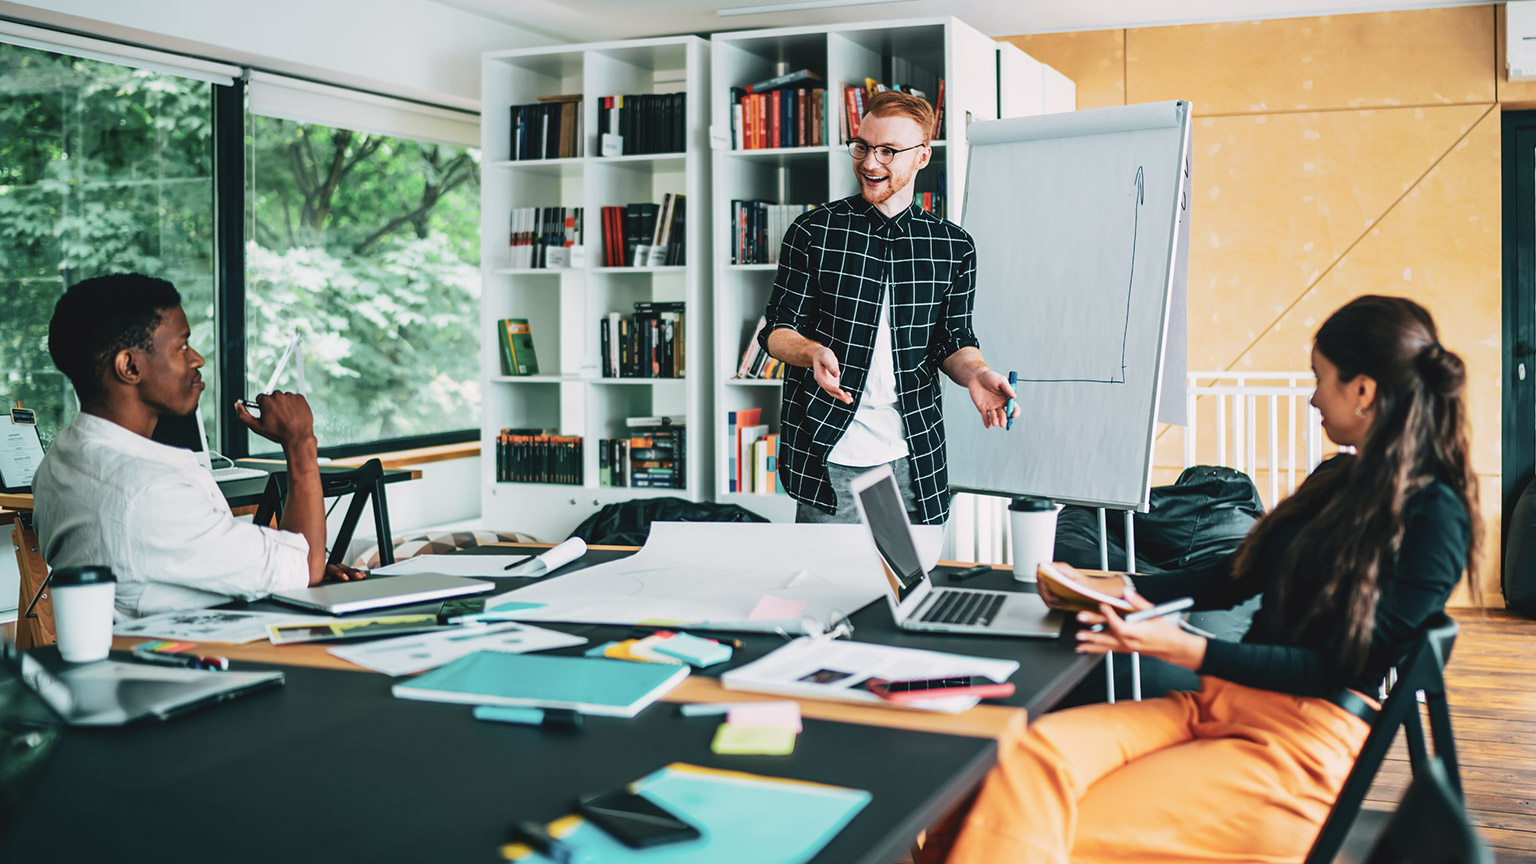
(1076, 589)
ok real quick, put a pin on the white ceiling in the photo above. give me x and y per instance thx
(600, 20)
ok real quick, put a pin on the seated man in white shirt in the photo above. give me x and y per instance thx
(107, 494)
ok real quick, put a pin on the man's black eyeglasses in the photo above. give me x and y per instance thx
(858, 149)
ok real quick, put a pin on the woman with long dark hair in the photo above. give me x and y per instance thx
(1351, 566)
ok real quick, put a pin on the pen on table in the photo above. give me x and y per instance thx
(1157, 611)
(714, 709)
(549, 718)
(968, 572)
(1013, 404)
(533, 834)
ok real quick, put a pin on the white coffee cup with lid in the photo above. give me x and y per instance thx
(82, 611)
(1032, 523)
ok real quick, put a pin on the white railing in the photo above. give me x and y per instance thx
(1230, 410)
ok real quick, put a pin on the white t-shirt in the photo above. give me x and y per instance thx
(105, 495)
(876, 435)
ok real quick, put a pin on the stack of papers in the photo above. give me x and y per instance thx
(233, 627)
(407, 655)
(821, 668)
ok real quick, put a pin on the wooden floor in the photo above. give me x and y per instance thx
(1491, 686)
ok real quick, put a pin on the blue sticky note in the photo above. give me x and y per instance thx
(692, 649)
(598, 650)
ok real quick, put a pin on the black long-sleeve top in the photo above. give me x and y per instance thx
(1413, 587)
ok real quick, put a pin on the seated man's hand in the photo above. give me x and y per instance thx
(285, 418)
(343, 573)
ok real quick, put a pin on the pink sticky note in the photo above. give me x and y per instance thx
(775, 607)
(776, 715)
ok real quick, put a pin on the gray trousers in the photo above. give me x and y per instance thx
(842, 477)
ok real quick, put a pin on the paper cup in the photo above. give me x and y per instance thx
(82, 612)
(1032, 523)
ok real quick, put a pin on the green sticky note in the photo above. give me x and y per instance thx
(753, 741)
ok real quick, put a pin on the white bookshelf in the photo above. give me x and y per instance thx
(928, 50)
(563, 305)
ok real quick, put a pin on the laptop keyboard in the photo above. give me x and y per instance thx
(964, 607)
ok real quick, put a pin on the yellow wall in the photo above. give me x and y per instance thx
(1333, 156)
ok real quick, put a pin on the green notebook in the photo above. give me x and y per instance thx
(616, 688)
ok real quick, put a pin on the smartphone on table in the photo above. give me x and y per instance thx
(634, 820)
(938, 688)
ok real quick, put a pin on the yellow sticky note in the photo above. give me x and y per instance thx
(753, 740)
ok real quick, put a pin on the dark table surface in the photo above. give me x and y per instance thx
(332, 767)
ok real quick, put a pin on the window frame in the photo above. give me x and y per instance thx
(229, 113)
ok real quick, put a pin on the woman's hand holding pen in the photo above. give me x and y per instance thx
(1160, 637)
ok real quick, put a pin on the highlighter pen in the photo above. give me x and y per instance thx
(1157, 611)
(549, 718)
(1013, 404)
(532, 834)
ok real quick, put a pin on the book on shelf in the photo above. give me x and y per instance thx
(765, 466)
(551, 128)
(653, 455)
(760, 227)
(757, 363)
(778, 117)
(735, 421)
(799, 76)
(651, 343)
(746, 462)
(517, 347)
(856, 104)
(544, 237)
(646, 234)
(538, 456)
(647, 123)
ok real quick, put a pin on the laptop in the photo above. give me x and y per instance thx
(110, 693)
(345, 597)
(915, 603)
(188, 433)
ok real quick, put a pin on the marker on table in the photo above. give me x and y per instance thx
(1013, 404)
(967, 573)
(549, 718)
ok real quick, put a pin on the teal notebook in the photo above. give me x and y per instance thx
(745, 819)
(617, 688)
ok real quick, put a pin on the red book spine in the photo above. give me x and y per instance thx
(775, 108)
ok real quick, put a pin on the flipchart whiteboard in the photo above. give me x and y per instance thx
(1082, 238)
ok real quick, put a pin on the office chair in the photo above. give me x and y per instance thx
(1430, 825)
(362, 483)
(1422, 669)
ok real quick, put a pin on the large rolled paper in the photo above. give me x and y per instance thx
(552, 560)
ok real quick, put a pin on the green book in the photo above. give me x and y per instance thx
(517, 347)
(616, 688)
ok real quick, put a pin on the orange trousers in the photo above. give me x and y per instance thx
(1228, 773)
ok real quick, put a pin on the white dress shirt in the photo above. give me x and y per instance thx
(105, 495)
(876, 435)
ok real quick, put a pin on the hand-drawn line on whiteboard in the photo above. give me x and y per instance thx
(1141, 199)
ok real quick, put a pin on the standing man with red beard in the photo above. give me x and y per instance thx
(872, 300)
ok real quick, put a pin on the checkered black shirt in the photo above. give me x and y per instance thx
(835, 265)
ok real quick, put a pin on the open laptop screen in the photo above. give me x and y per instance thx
(886, 516)
(179, 432)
